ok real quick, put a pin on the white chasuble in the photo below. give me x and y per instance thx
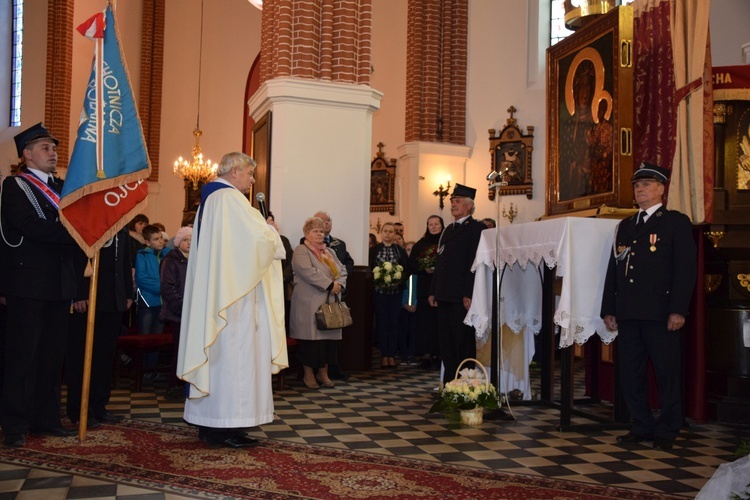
(232, 334)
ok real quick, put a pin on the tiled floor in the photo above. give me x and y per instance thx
(385, 412)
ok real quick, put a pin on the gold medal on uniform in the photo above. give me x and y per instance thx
(652, 238)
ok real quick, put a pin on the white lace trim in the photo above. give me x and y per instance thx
(531, 253)
(517, 323)
(580, 331)
(521, 255)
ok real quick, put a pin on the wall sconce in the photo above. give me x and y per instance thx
(377, 227)
(441, 192)
(715, 237)
(511, 214)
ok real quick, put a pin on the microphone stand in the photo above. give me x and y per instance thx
(496, 336)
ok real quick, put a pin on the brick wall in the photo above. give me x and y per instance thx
(317, 39)
(436, 58)
(150, 86)
(59, 72)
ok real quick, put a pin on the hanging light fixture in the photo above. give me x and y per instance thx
(196, 170)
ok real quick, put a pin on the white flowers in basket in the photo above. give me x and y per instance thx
(469, 390)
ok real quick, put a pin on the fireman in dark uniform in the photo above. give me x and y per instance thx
(453, 282)
(646, 297)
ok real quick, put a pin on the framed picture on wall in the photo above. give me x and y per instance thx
(511, 151)
(590, 110)
(382, 183)
(192, 197)
(260, 151)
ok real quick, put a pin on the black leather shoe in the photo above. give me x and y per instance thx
(633, 438)
(108, 418)
(239, 441)
(663, 444)
(15, 440)
(54, 432)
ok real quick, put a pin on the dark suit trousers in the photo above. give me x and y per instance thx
(637, 342)
(107, 326)
(34, 354)
(387, 310)
(457, 341)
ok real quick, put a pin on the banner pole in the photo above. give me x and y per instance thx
(88, 350)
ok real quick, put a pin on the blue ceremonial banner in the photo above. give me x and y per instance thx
(105, 184)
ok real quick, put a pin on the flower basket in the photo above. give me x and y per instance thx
(474, 416)
(465, 398)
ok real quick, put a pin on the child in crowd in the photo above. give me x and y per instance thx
(173, 273)
(147, 281)
(164, 235)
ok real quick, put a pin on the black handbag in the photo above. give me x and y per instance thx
(333, 315)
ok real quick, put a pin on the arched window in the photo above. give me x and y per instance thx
(557, 31)
(16, 60)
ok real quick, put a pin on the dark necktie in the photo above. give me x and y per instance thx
(641, 219)
(51, 182)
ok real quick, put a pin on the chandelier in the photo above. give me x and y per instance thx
(196, 169)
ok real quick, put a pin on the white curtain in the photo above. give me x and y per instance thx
(689, 23)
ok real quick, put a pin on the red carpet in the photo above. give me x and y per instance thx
(171, 458)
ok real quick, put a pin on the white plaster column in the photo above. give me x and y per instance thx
(423, 167)
(321, 135)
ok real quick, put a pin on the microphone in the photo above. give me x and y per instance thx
(261, 199)
(491, 176)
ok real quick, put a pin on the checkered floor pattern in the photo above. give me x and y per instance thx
(386, 412)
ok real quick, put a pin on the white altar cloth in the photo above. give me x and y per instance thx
(526, 288)
(578, 247)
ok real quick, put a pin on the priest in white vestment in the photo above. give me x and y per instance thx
(232, 337)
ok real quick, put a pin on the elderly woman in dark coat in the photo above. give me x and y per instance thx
(422, 263)
(317, 271)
